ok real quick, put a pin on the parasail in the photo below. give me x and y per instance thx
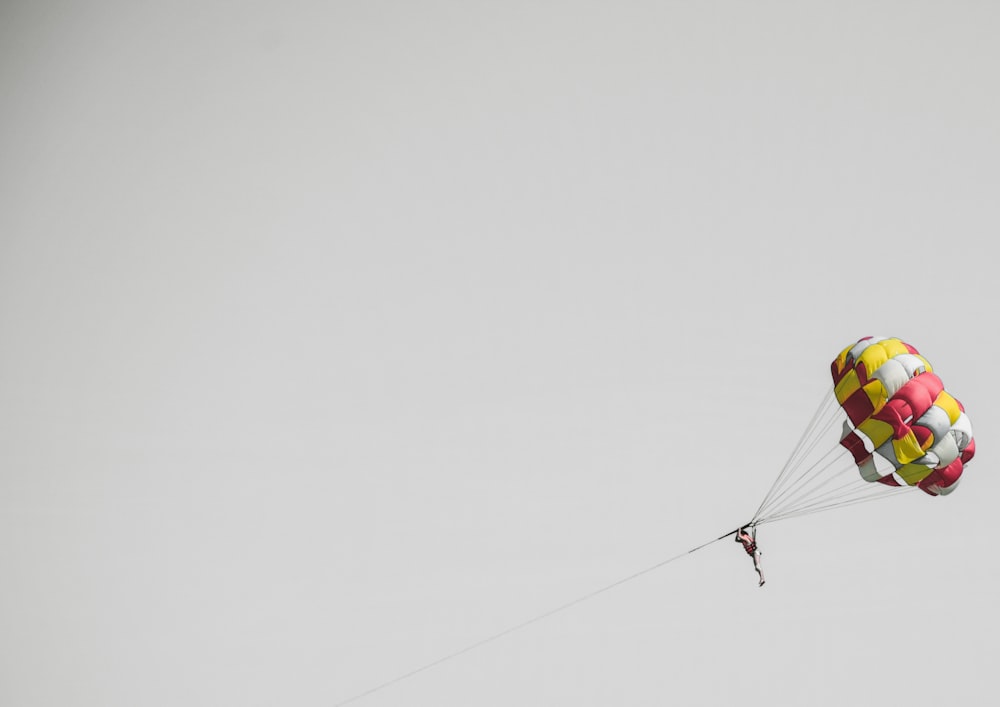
(891, 412)
(900, 410)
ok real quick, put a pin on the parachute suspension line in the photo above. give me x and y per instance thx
(804, 486)
(812, 481)
(792, 472)
(873, 495)
(824, 402)
(821, 420)
(846, 493)
(837, 488)
(808, 490)
(807, 473)
(809, 496)
(815, 497)
(529, 622)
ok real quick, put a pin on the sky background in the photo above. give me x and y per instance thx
(338, 336)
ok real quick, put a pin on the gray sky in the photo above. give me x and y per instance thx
(339, 336)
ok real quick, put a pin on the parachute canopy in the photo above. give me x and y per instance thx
(902, 428)
(900, 410)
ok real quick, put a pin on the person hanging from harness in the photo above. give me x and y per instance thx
(749, 541)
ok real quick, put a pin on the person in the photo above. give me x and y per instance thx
(749, 541)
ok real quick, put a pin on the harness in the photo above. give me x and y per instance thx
(749, 543)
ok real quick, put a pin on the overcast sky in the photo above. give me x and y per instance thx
(338, 336)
